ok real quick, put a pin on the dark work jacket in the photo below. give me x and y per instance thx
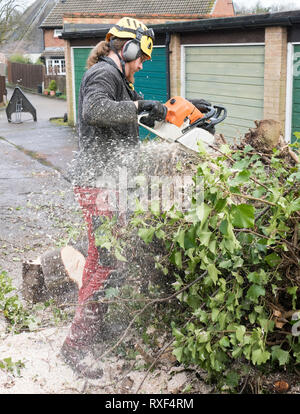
(107, 124)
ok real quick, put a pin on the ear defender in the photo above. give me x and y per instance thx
(131, 50)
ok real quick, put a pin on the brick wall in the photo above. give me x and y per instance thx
(175, 65)
(223, 8)
(275, 74)
(50, 40)
(69, 86)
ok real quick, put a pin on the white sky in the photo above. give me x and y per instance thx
(267, 3)
(264, 3)
(25, 3)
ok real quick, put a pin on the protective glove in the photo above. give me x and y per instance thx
(200, 104)
(156, 112)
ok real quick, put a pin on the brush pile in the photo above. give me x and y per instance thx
(232, 258)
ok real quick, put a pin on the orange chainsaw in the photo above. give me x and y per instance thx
(187, 125)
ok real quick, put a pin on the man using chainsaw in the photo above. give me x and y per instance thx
(108, 110)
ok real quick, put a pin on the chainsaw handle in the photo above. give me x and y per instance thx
(210, 112)
(218, 118)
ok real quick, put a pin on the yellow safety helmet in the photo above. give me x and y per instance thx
(142, 37)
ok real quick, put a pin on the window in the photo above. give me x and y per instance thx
(57, 32)
(56, 66)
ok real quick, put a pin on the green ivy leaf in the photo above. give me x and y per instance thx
(146, 234)
(243, 216)
(180, 238)
(220, 205)
(225, 264)
(232, 379)
(176, 259)
(241, 178)
(254, 292)
(240, 332)
(202, 212)
(259, 278)
(293, 291)
(273, 259)
(280, 355)
(293, 206)
(178, 353)
(224, 341)
(204, 237)
(213, 272)
(241, 164)
(155, 208)
(259, 356)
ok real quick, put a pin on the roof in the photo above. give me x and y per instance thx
(28, 38)
(127, 7)
(290, 18)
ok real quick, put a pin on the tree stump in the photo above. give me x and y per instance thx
(58, 284)
(33, 286)
(57, 274)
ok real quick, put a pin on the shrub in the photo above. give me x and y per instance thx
(52, 85)
(19, 59)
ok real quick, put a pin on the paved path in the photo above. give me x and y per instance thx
(55, 143)
(36, 201)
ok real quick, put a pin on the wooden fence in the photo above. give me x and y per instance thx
(2, 90)
(25, 74)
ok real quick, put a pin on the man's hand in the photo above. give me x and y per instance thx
(156, 112)
(200, 104)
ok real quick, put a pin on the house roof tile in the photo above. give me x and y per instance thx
(127, 7)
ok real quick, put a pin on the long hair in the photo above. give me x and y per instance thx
(102, 49)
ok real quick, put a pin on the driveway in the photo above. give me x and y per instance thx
(37, 206)
(55, 143)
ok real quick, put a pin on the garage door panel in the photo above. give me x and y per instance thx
(219, 68)
(296, 99)
(227, 58)
(296, 96)
(224, 89)
(245, 80)
(232, 76)
(227, 50)
(296, 108)
(80, 57)
(225, 100)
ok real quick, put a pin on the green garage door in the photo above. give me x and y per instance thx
(80, 55)
(296, 94)
(151, 81)
(232, 76)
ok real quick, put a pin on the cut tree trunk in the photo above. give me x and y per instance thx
(58, 284)
(57, 274)
(73, 262)
(33, 287)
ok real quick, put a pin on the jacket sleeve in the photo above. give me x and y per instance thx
(99, 104)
